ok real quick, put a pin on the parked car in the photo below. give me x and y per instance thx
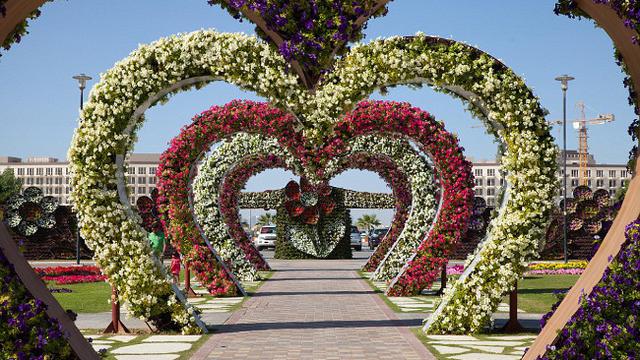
(266, 238)
(376, 236)
(356, 240)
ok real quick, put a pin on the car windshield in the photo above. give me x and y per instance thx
(268, 230)
(380, 231)
(354, 230)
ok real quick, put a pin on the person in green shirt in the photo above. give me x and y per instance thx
(157, 241)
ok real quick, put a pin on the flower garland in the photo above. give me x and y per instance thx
(27, 331)
(607, 324)
(208, 185)
(112, 115)
(423, 206)
(175, 176)
(110, 119)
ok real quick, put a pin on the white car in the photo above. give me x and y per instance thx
(356, 240)
(266, 238)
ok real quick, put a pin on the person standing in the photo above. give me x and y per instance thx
(157, 241)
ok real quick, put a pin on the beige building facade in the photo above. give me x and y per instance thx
(52, 176)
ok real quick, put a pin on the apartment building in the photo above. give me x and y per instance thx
(52, 176)
(489, 180)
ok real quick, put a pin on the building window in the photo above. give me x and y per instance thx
(49, 171)
(599, 173)
(40, 171)
(59, 171)
(574, 173)
(477, 182)
(612, 192)
(623, 173)
(491, 191)
(30, 172)
(478, 192)
(152, 171)
(66, 190)
(612, 173)
(491, 201)
(612, 182)
(142, 190)
(501, 182)
(477, 172)
(589, 183)
(623, 182)
(20, 171)
(588, 173)
(66, 181)
(574, 182)
(142, 171)
(599, 183)
(491, 182)
(131, 170)
(152, 180)
(142, 180)
(491, 172)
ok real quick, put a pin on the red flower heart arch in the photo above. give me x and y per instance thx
(176, 171)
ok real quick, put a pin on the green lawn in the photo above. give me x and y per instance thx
(94, 297)
(535, 293)
(85, 298)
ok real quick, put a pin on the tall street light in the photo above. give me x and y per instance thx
(82, 84)
(564, 85)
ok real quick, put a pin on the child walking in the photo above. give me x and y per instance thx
(175, 267)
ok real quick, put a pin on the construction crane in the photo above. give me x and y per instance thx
(583, 146)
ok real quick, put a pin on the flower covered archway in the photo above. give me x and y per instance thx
(477, 78)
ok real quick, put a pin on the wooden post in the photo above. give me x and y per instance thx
(116, 326)
(38, 290)
(513, 325)
(188, 291)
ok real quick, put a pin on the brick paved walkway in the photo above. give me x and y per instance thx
(314, 310)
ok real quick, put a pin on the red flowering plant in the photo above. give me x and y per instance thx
(397, 180)
(383, 118)
(175, 174)
(454, 173)
(63, 275)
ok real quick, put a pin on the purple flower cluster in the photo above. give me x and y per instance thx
(607, 324)
(313, 31)
(27, 331)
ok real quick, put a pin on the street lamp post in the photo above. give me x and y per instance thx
(564, 85)
(82, 84)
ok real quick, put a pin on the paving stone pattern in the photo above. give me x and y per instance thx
(154, 347)
(314, 310)
(463, 347)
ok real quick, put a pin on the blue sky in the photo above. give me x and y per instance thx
(38, 98)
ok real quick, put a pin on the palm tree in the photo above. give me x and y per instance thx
(368, 222)
(266, 219)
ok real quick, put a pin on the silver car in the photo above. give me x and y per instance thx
(356, 240)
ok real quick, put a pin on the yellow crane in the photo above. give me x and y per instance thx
(583, 146)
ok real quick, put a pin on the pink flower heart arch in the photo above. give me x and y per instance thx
(176, 172)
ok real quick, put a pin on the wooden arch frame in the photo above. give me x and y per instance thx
(606, 18)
